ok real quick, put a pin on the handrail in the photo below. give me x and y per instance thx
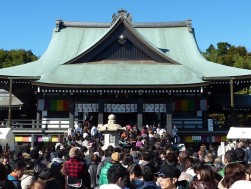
(37, 124)
(185, 124)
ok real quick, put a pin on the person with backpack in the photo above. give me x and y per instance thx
(56, 167)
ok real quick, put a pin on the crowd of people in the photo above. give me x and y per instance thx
(146, 159)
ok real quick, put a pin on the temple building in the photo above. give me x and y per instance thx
(16, 105)
(144, 73)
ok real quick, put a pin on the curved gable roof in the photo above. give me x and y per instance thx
(172, 43)
(122, 28)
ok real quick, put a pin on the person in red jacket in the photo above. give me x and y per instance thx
(75, 171)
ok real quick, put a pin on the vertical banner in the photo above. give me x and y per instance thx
(203, 105)
(210, 125)
(169, 120)
(40, 105)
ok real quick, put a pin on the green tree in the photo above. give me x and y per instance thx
(15, 57)
(223, 48)
(241, 61)
(229, 55)
(211, 54)
(242, 51)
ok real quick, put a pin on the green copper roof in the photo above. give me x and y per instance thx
(176, 41)
(133, 73)
(181, 46)
(64, 46)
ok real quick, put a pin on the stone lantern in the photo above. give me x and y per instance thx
(111, 132)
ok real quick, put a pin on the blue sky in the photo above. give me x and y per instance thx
(28, 24)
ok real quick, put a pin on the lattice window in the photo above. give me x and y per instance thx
(127, 51)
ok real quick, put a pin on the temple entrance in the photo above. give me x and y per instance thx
(128, 118)
(123, 118)
(153, 118)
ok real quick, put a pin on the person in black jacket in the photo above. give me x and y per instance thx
(4, 182)
(47, 177)
(38, 165)
(56, 167)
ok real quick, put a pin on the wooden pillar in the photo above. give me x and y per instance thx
(169, 119)
(140, 114)
(71, 113)
(232, 102)
(140, 121)
(38, 122)
(100, 113)
(10, 103)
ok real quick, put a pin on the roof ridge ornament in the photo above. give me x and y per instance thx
(189, 25)
(59, 24)
(122, 13)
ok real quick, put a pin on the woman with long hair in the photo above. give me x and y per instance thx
(205, 178)
(243, 184)
(232, 173)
